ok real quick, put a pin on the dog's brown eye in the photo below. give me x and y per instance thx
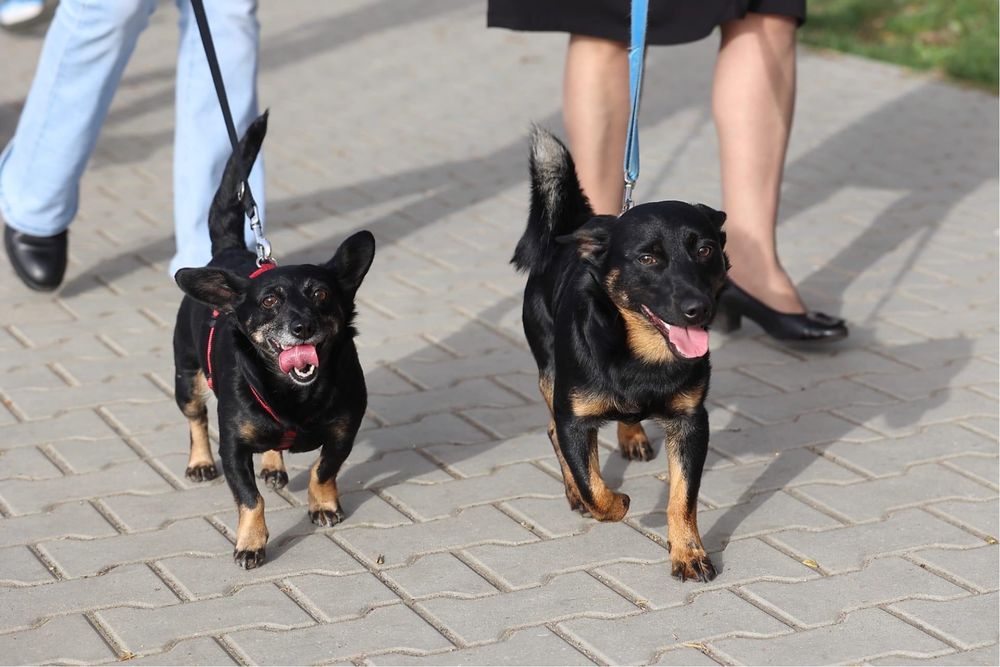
(270, 301)
(705, 252)
(320, 295)
(647, 259)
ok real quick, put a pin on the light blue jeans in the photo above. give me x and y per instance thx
(85, 52)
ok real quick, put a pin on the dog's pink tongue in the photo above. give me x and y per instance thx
(297, 357)
(691, 342)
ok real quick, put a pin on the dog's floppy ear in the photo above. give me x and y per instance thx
(352, 261)
(591, 242)
(715, 217)
(219, 288)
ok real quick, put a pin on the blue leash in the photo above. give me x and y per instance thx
(636, 56)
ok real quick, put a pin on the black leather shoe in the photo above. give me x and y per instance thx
(734, 304)
(39, 261)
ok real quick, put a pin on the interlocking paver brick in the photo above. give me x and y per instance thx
(968, 621)
(944, 406)
(26, 463)
(429, 430)
(976, 568)
(980, 467)
(922, 383)
(716, 613)
(135, 478)
(88, 456)
(391, 469)
(80, 558)
(483, 458)
(141, 513)
(870, 500)
(534, 646)
(476, 525)
(83, 425)
(763, 514)
(201, 651)
(384, 630)
(743, 561)
(836, 393)
(863, 635)
(981, 656)
(795, 467)
(297, 554)
(44, 403)
(340, 598)
(983, 516)
(893, 455)
(762, 442)
(439, 574)
(404, 408)
(849, 548)
(439, 500)
(73, 519)
(551, 517)
(128, 586)
(21, 566)
(683, 656)
(534, 563)
(145, 630)
(486, 619)
(846, 363)
(64, 639)
(821, 601)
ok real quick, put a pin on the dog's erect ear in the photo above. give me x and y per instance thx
(221, 289)
(352, 261)
(716, 217)
(591, 242)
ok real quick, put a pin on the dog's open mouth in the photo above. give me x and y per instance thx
(299, 362)
(687, 342)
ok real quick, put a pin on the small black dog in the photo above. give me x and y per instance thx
(278, 351)
(615, 312)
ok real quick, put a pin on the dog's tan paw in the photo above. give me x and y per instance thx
(691, 562)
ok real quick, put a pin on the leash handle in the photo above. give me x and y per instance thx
(243, 194)
(636, 57)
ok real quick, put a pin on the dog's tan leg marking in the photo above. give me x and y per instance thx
(608, 505)
(324, 501)
(572, 492)
(633, 442)
(687, 401)
(687, 554)
(251, 535)
(272, 469)
(201, 465)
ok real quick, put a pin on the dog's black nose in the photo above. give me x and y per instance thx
(303, 329)
(695, 310)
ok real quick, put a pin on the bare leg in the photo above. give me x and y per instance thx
(753, 102)
(595, 112)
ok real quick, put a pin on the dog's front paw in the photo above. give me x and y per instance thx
(325, 517)
(248, 559)
(276, 479)
(691, 563)
(201, 472)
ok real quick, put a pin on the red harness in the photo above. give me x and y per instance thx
(288, 437)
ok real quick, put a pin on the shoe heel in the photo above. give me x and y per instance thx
(727, 320)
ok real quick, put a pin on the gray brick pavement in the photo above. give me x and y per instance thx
(850, 498)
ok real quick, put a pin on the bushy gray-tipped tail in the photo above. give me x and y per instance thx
(226, 218)
(558, 205)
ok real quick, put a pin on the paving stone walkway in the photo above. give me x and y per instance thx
(851, 495)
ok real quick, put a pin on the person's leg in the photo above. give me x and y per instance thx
(753, 102)
(201, 143)
(85, 51)
(595, 112)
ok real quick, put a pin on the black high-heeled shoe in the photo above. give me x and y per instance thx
(734, 304)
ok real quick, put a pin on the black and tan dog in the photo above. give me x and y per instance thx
(276, 345)
(615, 311)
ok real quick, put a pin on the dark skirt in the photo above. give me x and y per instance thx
(670, 21)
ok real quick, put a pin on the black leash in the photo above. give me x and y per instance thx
(244, 195)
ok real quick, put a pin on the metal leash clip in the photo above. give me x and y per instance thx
(627, 202)
(263, 245)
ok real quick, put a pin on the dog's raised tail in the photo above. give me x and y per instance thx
(558, 205)
(226, 217)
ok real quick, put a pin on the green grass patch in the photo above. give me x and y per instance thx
(956, 37)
